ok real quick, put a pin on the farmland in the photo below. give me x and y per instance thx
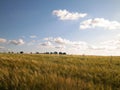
(59, 72)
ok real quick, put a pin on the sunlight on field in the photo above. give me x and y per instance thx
(59, 72)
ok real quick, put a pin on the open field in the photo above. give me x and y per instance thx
(59, 72)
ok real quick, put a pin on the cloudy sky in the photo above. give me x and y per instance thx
(73, 26)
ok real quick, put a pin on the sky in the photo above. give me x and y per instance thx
(90, 27)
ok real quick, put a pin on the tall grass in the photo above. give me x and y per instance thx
(59, 72)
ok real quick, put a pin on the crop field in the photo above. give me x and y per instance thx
(59, 72)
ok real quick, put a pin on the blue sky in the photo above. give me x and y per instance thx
(73, 26)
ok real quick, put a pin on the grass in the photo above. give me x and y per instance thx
(59, 72)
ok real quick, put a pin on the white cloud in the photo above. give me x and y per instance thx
(33, 36)
(77, 44)
(111, 44)
(1, 47)
(48, 39)
(62, 43)
(118, 36)
(60, 40)
(66, 15)
(17, 42)
(93, 47)
(110, 47)
(57, 40)
(80, 45)
(31, 43)
(60, 47)
(100, 22)
(46, 44)
(2, 40)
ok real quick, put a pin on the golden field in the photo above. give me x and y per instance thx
(59, 72)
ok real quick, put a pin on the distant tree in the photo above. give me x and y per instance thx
(60, 53)
(37, 52)
(55, 52)
(21, 52)
(46, 52)
(64, 53)
(51, 52)
(10, 52)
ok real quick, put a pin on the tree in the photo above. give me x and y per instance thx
(64, 53)
(37, 52)
(46, 52)
(51, 52)
(60, 52)
(55, 52)
(21, 52)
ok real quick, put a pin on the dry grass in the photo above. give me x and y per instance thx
(58, 72)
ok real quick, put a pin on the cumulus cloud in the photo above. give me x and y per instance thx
(33, 36)
(57, 40)
(66, 15)
(31, 43)
(48, 39)
(60, 47)
(100, 22)
(2, 40)
(1, 47)
(110, 47)
(80, 45)
(111, 44)
(93, 47)
(17, 42)
(77, 44)
(62, 43)
(46, 44)
(60, 40)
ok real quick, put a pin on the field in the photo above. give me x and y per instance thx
(59, 72)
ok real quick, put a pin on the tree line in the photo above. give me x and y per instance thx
(22, 52)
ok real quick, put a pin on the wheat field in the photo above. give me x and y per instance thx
(59, 72)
